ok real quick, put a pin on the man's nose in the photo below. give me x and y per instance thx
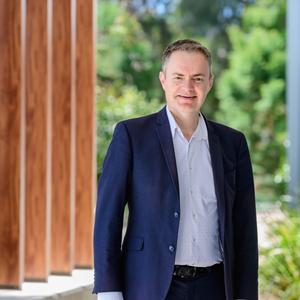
(188, 84)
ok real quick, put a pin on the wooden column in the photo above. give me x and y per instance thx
(63, 130)
(12, 140)
(85, 132)
(37, 242)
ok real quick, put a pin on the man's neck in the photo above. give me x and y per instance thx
(187, 123)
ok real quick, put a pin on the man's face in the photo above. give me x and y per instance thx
(186, 81)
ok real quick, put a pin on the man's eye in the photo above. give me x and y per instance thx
(199, 79)
(177, 77)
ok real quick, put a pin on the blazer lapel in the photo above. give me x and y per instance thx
(218, 174)
(165, 138)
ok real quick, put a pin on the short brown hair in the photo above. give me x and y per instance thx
(186, 45)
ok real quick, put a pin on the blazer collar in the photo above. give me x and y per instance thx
(199, 133)
(162, 117)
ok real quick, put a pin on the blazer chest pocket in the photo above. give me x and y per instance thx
(134, 244)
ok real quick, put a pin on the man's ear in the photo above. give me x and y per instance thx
(162, 79)
(211, 82)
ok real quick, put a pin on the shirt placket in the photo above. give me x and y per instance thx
(191, 198)
(181, 143)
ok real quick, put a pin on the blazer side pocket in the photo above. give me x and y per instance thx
(134, 244)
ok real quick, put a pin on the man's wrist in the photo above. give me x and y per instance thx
(110, 296)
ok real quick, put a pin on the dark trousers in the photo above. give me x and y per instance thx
(208, 286)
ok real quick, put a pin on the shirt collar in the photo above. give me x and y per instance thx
(199, 133)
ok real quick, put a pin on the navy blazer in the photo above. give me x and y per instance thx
(140, 169)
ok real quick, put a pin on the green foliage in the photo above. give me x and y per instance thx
(114, 106)
(280, 261)
(267, 14)
(124, 54)
(127, 71)
(206, 17)
(252, 92)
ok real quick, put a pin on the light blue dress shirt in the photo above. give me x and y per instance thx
(198, 235)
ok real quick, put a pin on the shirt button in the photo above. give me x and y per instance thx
(171, 248)
(176, 214)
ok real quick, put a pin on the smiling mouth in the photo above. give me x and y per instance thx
(187, 97)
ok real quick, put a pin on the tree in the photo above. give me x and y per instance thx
(251, 92)
(127, 72)
(112, 109)
(124, 53)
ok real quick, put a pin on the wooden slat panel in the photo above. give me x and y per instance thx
(62, 223)
(11, 145)
(85, 133)
(37, 242)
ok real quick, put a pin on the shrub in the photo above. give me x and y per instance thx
(116, 105)
(280, 260)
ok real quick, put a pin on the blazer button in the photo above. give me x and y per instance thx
(176, 214)
(171, 248)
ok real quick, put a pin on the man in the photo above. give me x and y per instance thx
(189, 187)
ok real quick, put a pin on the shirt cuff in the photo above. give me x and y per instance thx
(110, 296)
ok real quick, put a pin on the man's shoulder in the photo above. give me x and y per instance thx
(139, 121)
(221, 129)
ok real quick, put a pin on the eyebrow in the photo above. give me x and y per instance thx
(195, 75)
(199, 75)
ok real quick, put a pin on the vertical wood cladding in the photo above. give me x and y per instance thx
(11, 145)
(62, 221)
(37, 241)
(85, 132)
(47, 138)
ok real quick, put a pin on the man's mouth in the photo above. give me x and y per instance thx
(187, 97)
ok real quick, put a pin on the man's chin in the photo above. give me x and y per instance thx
(187, 103)
(188, 108)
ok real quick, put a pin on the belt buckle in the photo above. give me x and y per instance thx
(186, 272)
(194, 272)
(182, 272)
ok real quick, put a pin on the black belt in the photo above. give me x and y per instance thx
(192, 272)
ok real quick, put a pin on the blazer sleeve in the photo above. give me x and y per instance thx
(111, 200)
(245, 229)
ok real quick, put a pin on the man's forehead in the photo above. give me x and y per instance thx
(186, 63)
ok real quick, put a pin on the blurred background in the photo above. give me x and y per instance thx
(248, 43)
